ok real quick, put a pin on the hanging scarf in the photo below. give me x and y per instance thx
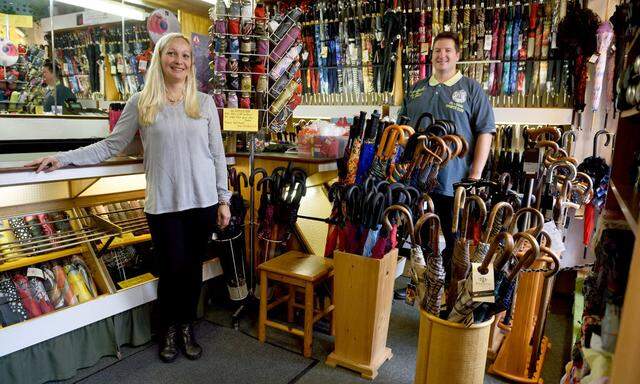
(467, 39)
(507, 51)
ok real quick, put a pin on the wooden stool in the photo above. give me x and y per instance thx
(297, 270)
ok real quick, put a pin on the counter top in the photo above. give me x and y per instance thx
(18, 166)
(294, 157)
(88, 116)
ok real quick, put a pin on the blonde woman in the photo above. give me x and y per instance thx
(186, 176)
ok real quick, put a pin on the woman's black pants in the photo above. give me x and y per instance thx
(180, 243)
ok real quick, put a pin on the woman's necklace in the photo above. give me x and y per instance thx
(175, 100)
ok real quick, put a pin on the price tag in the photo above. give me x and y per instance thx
(353, 51)
(424, 48)
(487, 42)
(482, 286)
(594, 58)
(35, 272)
(240, 120)
(142, 65)
(325, 52)
(120, 68)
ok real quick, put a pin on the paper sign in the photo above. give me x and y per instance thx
(35, 272)
(482, 286)
(240, 120)
(325, 52)
(136, 280)
(16, 21)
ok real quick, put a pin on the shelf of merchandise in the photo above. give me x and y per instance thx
(31, 260)
(23, 335)
(629, 113)
(13, 173)
(629, 204)
(542, 116)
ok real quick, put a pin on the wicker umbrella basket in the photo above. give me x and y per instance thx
(450, 352)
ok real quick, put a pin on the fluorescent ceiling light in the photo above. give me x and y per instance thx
(137, 2)
(213, 2)
(109, 6)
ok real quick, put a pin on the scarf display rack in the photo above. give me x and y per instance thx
(86, 57)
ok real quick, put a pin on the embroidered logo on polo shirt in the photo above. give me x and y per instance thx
(459, 96)
(417, 92)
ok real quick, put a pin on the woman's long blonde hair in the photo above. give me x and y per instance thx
(153, 96)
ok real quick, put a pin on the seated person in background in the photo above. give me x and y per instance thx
(62, 93)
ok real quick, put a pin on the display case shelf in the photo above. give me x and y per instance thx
(628, 202)
(31, 260)
(129, 240)
(542, 116)
(629, 113)
(22, 335)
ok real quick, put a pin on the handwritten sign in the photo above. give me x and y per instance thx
(240, 120)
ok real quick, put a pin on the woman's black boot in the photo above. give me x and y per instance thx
(190, 348)
(168, 345)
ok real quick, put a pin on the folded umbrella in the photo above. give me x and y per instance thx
(11, 309)
(387, 238)
(368, 150)
(431, 276)
(460, 257)
(505, 282)
(464, 306)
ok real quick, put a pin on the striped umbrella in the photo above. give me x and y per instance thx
(431, 275)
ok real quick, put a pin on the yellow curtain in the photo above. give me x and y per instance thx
(190, 23)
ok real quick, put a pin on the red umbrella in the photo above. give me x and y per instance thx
(387, 238)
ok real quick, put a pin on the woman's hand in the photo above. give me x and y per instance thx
(224, 215)
(47, 164)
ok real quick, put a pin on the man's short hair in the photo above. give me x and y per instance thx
(448, 35)
(49, 65)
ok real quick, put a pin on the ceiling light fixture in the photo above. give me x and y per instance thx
(109, 6)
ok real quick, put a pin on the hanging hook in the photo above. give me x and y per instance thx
(595, 140)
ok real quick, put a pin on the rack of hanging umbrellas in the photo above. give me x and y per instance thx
(518, 51)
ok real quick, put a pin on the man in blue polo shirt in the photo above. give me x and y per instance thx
(448, 95)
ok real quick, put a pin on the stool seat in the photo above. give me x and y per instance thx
(299, 271)
(299, 265)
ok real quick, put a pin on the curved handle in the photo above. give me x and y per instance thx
(467, 211)
(561, 164)
(425, 198)
(535, 132)
(564, 138)
(402, 210)
(243, 176)
(507, 249)
(506, 221)
(549, 255)
(529, 257)
(522, 211)
(454, 144)
(434, 229)
(425, 114)
(442, 149)
(458, 203)
(257, 171)
(543, 235)
(597, 136)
